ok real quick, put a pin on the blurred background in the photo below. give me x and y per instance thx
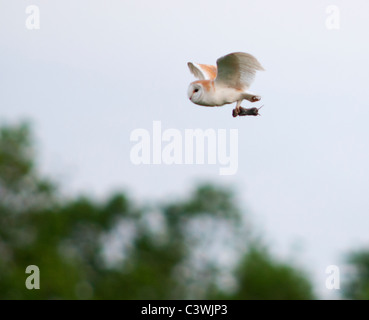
(100, 227)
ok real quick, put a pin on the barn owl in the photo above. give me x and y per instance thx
(226, 83)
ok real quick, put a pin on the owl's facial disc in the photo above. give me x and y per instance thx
(194, 92)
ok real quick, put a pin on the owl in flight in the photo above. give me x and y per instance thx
(226, 83)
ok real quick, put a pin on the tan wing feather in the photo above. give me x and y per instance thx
(203, 71)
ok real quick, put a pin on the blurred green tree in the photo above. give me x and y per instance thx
(356, 284)
(198, 248)
(262, 277)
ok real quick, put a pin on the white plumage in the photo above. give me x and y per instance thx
(226, 83)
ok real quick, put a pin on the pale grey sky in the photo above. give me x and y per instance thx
(96, 70)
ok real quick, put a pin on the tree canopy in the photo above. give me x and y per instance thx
(200, 247)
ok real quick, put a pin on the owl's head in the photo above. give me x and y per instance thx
(195, 92)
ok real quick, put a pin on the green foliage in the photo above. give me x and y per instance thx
(114, 249)
(264, 278)
(356, 286)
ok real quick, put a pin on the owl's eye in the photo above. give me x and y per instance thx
(196, 90)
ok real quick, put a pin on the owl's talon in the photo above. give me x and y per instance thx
(234, 113)
(255, 98)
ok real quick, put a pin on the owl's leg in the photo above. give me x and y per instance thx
(236, 111)
(252, 97)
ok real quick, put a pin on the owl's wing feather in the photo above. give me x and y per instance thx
(237, 70)
(203, 71)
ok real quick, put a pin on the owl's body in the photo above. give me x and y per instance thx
(216, 95)
(226, 83)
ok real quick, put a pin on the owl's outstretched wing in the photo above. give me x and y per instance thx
(203, 71)
(237, 70)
